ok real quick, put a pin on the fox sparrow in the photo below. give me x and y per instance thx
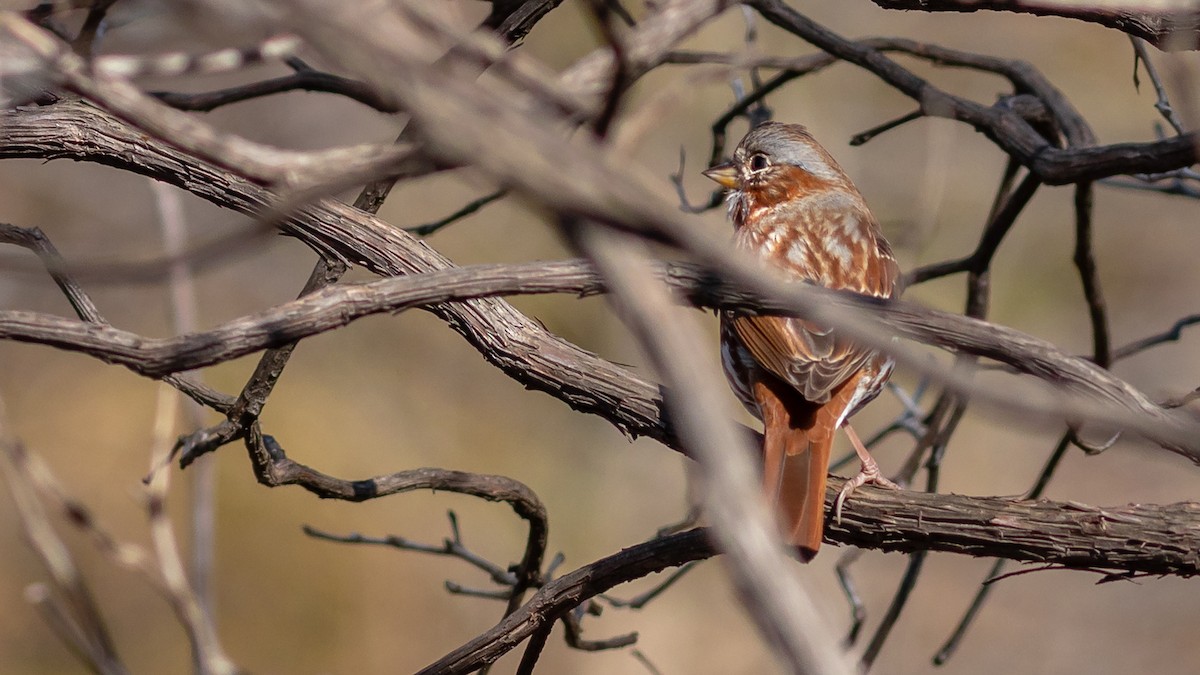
(794, 207)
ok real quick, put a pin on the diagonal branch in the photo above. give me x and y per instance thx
(508, 339)
(742, 527)
(1008, 129)
(70, 608)
(265, 164)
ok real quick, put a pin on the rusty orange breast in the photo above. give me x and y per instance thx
(780, 185)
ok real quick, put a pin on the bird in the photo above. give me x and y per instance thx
(795, 209)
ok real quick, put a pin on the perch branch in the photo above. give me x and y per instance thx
(1119, 542)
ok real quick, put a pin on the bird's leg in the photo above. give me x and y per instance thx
(868, 474)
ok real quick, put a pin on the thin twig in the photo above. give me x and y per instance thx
(1085, 262)
(308, 80)
(573, 634)
(981, 594)
(1162, 102)
(641, 600)
(70, 607)
(602, 15)
(184, 312)
(207, 654)
(467, 209)
(864, 136)
(452, 547)
(1172, 334)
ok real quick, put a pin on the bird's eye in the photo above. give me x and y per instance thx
(758, 162)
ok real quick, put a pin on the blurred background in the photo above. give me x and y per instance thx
(397, 392)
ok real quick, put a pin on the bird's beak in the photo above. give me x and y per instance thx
(725, 175)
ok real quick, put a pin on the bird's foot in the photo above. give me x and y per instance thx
(869, 474)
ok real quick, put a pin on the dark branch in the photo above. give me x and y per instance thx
(1166, 29)
(307, 80)
(1132, 540)
(1010, 131)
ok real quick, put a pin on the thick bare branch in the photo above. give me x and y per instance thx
(1168, 26)
(508, 339)
(1120, 542)
(1087, 392)
(1008, 129)
(602, 186)
(1135, 538)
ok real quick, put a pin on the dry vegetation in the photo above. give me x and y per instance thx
(513, 169)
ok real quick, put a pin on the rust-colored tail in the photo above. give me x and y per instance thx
(797, 439)
(795, 464)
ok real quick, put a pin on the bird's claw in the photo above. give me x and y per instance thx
(869, 474)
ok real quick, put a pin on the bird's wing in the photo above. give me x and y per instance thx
(811, 357)
(801, 353)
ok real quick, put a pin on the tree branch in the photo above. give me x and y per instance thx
(1120, 543)
(1168, 29)
(1084, 391)
(1054, 166)
(506, 338)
